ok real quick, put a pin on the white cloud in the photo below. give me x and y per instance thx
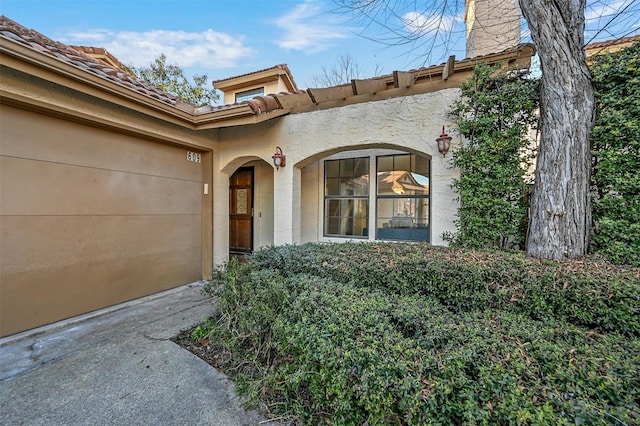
(599, 10)
(419, 24)
(308, 29)
(209, 49)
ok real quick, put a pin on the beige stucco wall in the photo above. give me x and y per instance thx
(90, 218)
(407, 124)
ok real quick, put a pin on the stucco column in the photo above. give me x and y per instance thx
(220, 218)
(286, 205)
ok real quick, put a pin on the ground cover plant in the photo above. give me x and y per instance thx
(381, 333)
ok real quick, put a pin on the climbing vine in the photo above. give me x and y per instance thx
(496, 114)
(615, 145)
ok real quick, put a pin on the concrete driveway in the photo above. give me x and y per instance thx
(118, 367)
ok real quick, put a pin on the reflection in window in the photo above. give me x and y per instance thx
(346, 195)
(402, 197)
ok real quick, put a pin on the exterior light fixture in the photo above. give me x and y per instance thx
(279, 159)
(444, 143)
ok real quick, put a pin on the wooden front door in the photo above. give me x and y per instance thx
(241, 211)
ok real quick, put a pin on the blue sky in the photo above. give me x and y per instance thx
(223, 38)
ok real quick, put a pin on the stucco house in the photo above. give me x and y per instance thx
(112, 189)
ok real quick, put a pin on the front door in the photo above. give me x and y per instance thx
(241, 211)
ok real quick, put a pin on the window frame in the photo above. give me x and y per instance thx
(247, 95)
(366, 197)
(427, 197)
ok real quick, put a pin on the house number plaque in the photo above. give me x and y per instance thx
(193, 156)
(241, 201)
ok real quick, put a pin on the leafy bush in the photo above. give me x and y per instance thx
(615, 143)
(383, 334)
(495, 115)
(588, 293)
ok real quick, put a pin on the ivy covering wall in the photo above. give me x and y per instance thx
(495, 115)
(615, 144)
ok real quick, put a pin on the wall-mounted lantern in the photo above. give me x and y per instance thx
(444, 143)
(279, 159)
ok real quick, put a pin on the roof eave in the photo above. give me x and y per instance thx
(241, 117)
(22, 58)
(30, 61)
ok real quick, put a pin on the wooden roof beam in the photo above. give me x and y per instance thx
(449, 67)
(403, 79)
(363, 87)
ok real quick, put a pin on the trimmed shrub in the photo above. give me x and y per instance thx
(382, 334)
(589, 292)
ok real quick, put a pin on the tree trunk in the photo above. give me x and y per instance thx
(560, 222)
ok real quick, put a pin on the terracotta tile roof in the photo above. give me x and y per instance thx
(263, 104)
(425, 79)
(609, 43)
(33, 39)
(102, 55)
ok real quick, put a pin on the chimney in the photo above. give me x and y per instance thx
(492, 26)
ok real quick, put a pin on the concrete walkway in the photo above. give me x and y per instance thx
(117, 367)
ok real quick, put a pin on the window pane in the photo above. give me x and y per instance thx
(389, 183)
(346, 208)
(403, 204)
(355, 186)
(361, 208)
(385, 210)
(341, 178)
(346, 226)
(403, 218)
(346, 167)
(360, 227)
(332, 186)
(385, 164)
(347, 182)
(333, 225)
(421, 165)
(402, 163)
(347, 186)
(419, 184)
(332, 168)
(361, 167)
(422, 212)
(333, 208)
(249, 94)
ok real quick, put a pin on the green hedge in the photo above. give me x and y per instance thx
(615, 145)
(383, 334)
(589, 293)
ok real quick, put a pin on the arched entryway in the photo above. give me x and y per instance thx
(241, 211)
(249, 214)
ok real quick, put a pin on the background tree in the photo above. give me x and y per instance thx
(171, 79)
(560, 208)
(345, 69)
(495, 115)
(615, 143)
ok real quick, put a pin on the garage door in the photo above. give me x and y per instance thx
(90, 218)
